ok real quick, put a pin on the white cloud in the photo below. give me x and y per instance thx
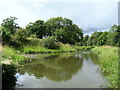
(16, 9)
(83, 14)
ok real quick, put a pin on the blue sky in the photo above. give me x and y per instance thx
(91, 16)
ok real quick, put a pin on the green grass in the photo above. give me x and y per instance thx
(40, 49)
(63, 48)
(10, 53)
(109, 63)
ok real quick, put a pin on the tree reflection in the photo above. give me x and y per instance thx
(56, 68)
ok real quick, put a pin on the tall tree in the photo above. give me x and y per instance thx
(85, 39)
(10, 24)
(37, 28)
(8, 28)
(102, 39)
(64, 30)
(114, 36)
(94, 38)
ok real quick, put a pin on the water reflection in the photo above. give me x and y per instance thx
(54, 67)
(88, 55)
(60, 70)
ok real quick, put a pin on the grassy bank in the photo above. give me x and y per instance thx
(40, 49)
(11, 55)
(63, 48)
(108, 63)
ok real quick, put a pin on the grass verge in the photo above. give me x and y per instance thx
(10, 54)
(109, 63)
(40, 49)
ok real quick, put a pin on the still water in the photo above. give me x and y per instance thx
(60, 70)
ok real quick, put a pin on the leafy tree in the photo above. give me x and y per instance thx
(8, 28)
(85, 39)
(102, 39)
(64, 30)
(53, 24)
(118, 36)
(92, 41)
(37, 28)
(10, 24)
(106, 38)
(113, 36)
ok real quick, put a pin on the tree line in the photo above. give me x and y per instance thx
(62, 29)
(111, 37)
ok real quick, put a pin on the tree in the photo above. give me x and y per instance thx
(8, 28)
(54, 24)
(114, 36)
(118, 36)
(102, 39)
(6, 35)
(85, 39)
(37, 28)
(10, 24)
(92, 41)
(64, 30)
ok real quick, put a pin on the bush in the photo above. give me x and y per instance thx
(19, 39)
(34, 41)
(5, 35)
(8, 78)
(51, 43)
(21, 35)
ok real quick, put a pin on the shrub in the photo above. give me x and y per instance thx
(21, 35)
(51, 43)
(8, 78)
(34, 41)
(19, 39)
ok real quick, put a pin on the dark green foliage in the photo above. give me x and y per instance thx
(6, 35)
(85, 39)
(37, 28)
(92, 41)
(118, 36)
(64, 30)
(53, 24)
(8, 78)
(10, 24)
(21, 35)
(61, 28)
(19, 39)
(113, 36)
(51, 43)
(102, 39)
(8, 28)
